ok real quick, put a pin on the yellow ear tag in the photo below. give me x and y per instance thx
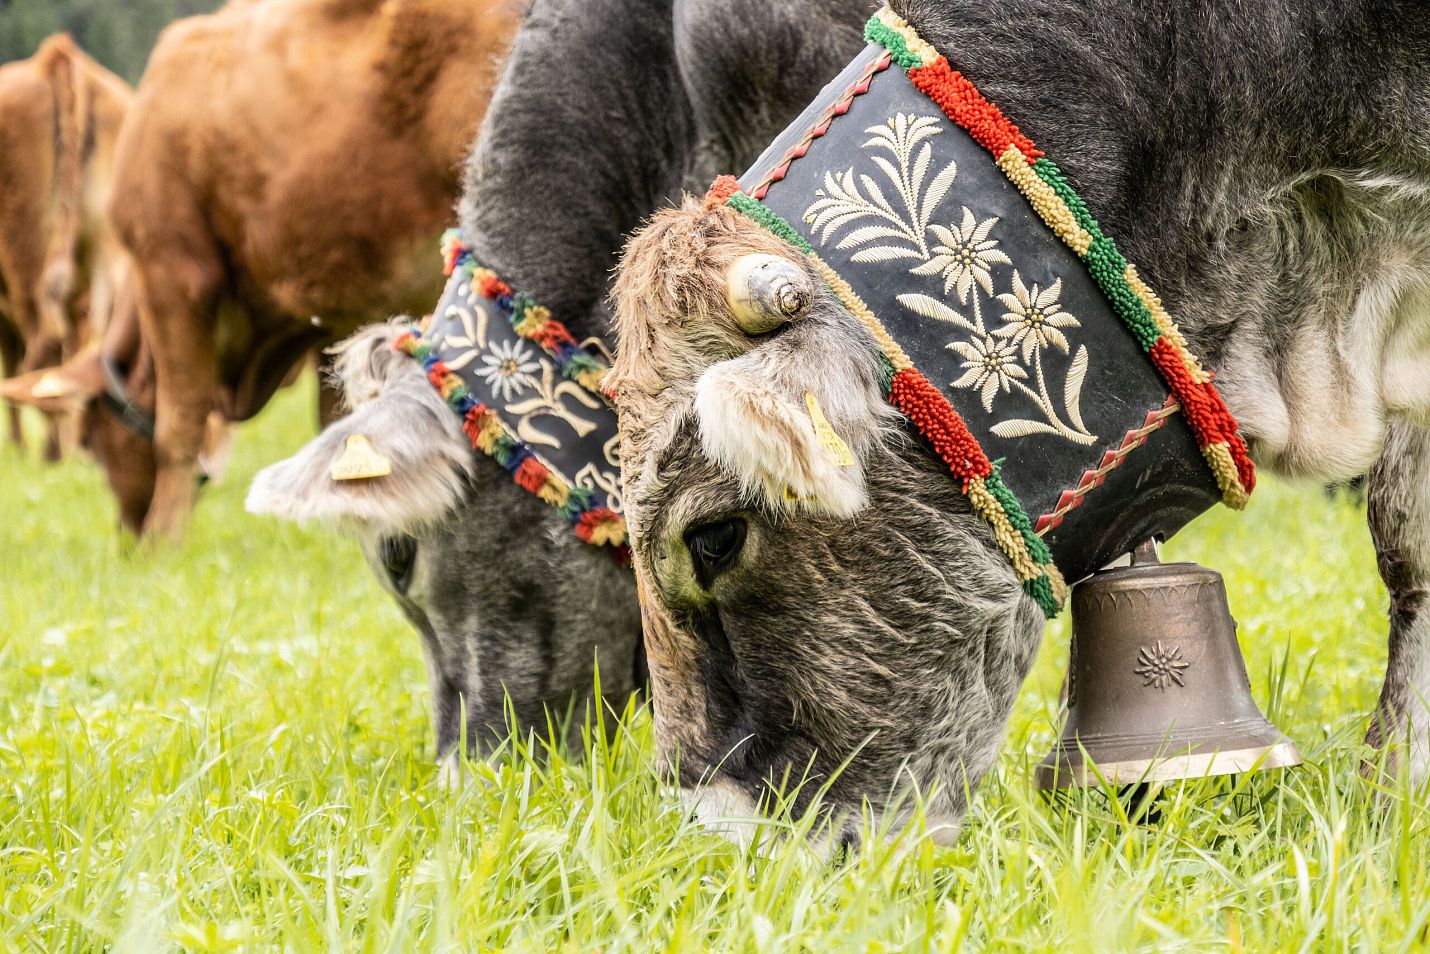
(360, 461)
(832, 443)
(51, 385)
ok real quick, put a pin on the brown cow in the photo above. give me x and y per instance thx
(60, 267)
(284, 177)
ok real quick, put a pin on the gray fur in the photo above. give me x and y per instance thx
(525, 614)
(1267, 166)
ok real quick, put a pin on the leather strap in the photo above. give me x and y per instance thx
(116, 399)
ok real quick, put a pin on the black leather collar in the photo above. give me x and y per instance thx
(116, 399)
(994, 309)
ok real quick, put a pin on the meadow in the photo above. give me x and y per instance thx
(225, 747)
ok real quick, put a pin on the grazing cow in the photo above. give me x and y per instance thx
(60, 267)
(1269, 172)
(283, 176)
(568, 161)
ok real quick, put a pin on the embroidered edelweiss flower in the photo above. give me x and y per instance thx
(508, 369)
(988, 363)
(964, 255)
(1034, 317)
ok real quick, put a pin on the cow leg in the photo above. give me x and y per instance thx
(1399, 514)
(12, 352)
(47, 351)
(178, 322)
(53, 304)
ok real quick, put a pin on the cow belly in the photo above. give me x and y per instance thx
(1405, 386)
(1314, 398)
(335, 231)
(360, 283)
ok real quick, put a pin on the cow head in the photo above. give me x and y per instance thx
(816, 591)
(507, 600)
(75, 389)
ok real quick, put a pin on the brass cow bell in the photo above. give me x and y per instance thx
(1157, 688)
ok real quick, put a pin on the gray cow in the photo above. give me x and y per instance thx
(605, 108)
(1267, 165)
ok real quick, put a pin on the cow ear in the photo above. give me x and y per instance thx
(797, 418)
(68, 387)
(398, 461)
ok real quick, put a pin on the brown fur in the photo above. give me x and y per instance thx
(60, 267)
(286, 161)
(671, 314)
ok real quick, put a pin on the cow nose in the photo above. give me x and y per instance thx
(714, 547)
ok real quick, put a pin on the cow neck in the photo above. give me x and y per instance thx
(527, 393)
(1029, 355)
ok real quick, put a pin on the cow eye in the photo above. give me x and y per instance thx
(398, 554)
(714, 547)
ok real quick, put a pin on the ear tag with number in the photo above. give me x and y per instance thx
(832, 443)
(360, 461)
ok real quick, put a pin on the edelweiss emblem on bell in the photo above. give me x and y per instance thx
(1161, 667)
(1157, 689)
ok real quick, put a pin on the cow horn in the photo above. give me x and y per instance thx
(767, 291)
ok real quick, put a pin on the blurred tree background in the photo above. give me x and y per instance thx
(118, 33)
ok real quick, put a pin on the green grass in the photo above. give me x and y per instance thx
(225, 747)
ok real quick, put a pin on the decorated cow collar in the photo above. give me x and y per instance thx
(1014, 336)
(527, 392)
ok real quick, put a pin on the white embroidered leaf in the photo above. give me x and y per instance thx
(570, 389)
(1072, 389)
(875, 193)
(882, 136)
(883, 253)
(984, 227)
(457, 364)
(890, 171)
(921, 167)
(933, 266)
(533, 434)
(938, 188)
(1048, 297)
(970, 378)
(984, 279)
(1021, 427)
(871, 232)
(931, 307)
(944, 236)
(922, 128)
(835, 216)
(990, 391)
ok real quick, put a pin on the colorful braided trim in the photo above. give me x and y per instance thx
(1055, 201)
(930, 412)
(595, 524)
(528, 319)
